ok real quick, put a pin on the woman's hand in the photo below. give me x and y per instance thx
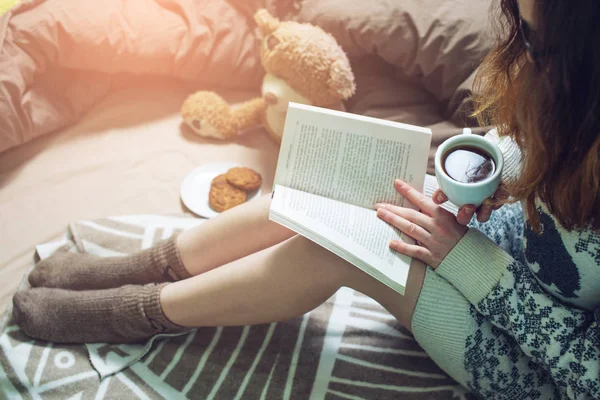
(435, 229)
(465, 213)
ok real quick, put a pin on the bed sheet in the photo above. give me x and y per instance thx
(129, 155)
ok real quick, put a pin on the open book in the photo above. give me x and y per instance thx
(333, 168)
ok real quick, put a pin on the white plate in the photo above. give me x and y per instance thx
(196, 186)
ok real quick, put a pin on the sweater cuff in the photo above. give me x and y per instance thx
(441, 324)
(475, 265)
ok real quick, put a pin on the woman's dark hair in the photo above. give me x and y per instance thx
(550, 105)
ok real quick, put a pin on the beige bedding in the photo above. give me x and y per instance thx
(129, 155)
(58, 57)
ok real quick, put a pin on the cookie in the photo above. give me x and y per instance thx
(219, 179)
(244, 178)
(223, 196)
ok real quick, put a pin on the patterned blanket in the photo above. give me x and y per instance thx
(348, 348)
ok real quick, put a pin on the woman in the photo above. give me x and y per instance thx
(508, 315)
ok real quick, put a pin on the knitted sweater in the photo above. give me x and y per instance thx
(548, 300)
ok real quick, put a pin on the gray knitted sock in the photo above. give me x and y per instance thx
(123, 315)
(160, 263)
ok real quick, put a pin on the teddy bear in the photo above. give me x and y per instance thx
(303, 64)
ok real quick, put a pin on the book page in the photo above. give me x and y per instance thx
(350, 158)
(352, 232)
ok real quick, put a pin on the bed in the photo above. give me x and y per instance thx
(88, 134)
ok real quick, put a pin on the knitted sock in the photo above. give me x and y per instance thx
(160, 263)
(123, 315)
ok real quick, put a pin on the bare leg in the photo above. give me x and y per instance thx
(281, 282)
(277, 283)
(241, 231)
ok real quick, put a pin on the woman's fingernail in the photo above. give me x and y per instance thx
(399, 183)
(441, 198)
(380, 205)
(470, 210)
(393, 244)
(381, 212)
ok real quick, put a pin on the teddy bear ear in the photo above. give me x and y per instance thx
(266, 22)
(341, 79)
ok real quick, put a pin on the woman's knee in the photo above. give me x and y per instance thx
(315, 260)
(400, 306)
(332, 272)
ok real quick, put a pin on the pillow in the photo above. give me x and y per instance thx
(436, 42)
(57, 57)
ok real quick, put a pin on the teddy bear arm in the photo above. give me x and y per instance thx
(341, 79)
(250, 113)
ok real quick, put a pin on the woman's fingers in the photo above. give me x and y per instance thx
(489, 205)
(439, 197)
(405, 226)
(465, 213)
(492, 204)
(485, 211)
(501, 192)
(409, 214)
(412, 250)
(420, 200)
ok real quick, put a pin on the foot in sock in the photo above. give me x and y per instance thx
(160, 263)
(123, 315)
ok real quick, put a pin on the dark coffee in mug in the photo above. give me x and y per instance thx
(468, 164)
